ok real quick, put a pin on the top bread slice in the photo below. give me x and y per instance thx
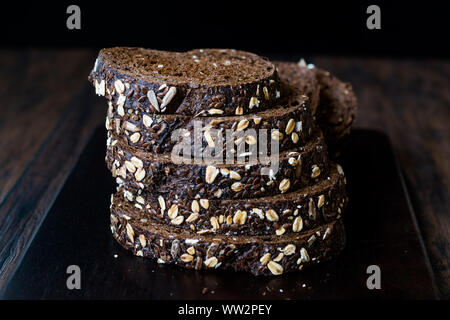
(216, 82)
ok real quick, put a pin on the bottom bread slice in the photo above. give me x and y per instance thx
(260, 255)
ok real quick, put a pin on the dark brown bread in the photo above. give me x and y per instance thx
(290, 213)
(158, 173)
(199, 82)
(260, 255)
(152, 132)
(337, 106)
(302, 78)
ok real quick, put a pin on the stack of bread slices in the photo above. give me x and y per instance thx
(207, 214)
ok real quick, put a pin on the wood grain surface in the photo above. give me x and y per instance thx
(410, 101)
(48, 112)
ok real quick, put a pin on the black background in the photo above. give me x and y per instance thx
(409, 29)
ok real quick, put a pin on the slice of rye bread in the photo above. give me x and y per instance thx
(300, 167)
(153, 132)
(260, 255)
(290, 213)
(302, 78)
(337, 106)
(199, 82)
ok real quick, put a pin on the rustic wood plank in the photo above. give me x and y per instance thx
(410, 101)
(26, 206)
(36, 87)
(54, 120)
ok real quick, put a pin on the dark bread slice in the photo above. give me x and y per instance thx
(260, 255)
(300, 167)
(337, 106)
(153, 132)
(290, 213)
(302, 78)
(204, 81)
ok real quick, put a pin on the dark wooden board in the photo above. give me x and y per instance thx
(381, 229)
(45, 124)
(409, 100)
